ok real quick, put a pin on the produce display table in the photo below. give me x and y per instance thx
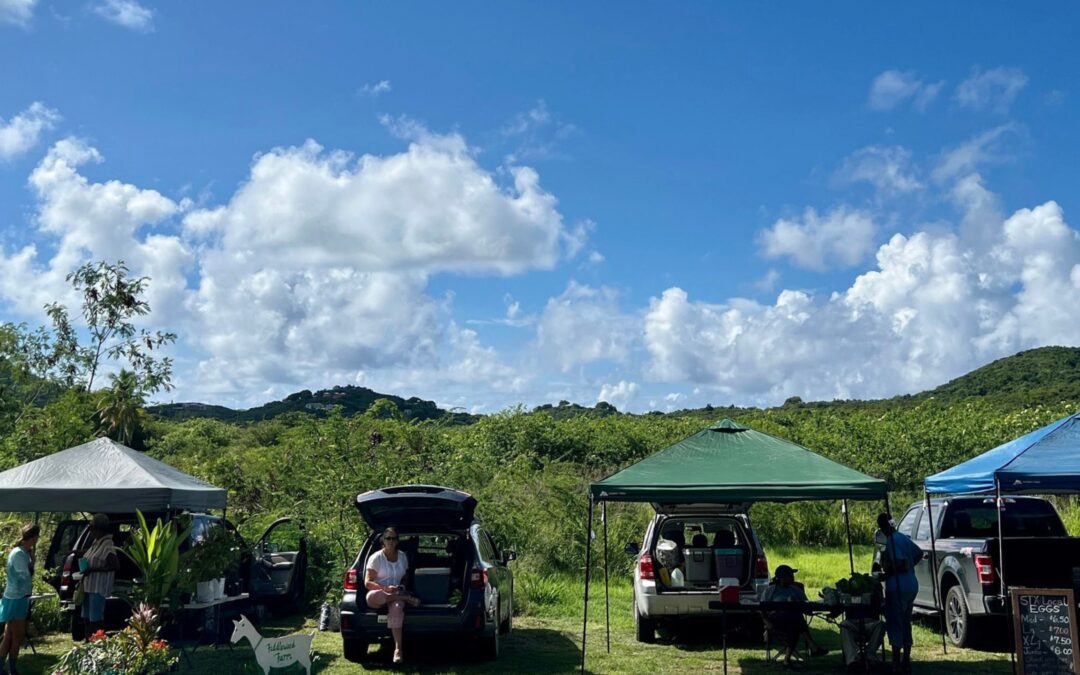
(861, 627)
(35, 598)
(209, 616)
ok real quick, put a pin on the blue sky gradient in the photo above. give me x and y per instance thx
(679, 146)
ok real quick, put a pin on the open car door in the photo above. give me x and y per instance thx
(279, 564)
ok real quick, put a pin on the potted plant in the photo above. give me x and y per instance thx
(156, 552)
(136, 650)
(207, 563)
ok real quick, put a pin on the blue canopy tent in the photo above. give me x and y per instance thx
(1045, 461)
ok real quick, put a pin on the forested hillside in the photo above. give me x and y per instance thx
(310, 454)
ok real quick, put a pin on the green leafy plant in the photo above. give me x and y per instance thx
(212, 557)
(156, 552)
(136, 650)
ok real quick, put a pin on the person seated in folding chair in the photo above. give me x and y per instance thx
(789, 625)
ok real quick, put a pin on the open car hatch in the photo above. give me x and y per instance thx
(703, 508)
(416, 505)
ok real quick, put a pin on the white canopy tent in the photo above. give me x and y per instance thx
(104, 476)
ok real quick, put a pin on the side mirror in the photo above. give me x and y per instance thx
(509, 556)
(632, 548)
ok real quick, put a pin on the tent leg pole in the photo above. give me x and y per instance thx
(1001, 564)
(588, 559)
(37, 517)
(847, 526)
(938, 600)
(607, 598)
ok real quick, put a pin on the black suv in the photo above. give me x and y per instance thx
(272, 571)
(455, 568)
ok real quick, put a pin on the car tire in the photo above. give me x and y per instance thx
(507, 624)
(644, 629)
(491, 646)
(354, 649)
(957, 617)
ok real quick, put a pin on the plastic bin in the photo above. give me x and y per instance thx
(432, 585)
(699, 565)
(729, 563)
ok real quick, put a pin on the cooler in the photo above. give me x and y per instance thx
(432, 585)
(729, 563)
(729, 589)
(699, 565)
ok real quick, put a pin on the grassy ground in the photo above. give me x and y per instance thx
(549, 639)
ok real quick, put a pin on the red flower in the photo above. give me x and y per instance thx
(100, 635)
(159, 644)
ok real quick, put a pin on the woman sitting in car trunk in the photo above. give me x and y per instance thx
(383, 576)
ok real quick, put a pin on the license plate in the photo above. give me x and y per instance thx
(383, 618)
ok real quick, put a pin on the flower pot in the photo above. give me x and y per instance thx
(205, 591)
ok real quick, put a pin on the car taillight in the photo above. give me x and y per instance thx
(761, 567)
(351, 580)
(478, 578)
(645, 567)
(984, 565)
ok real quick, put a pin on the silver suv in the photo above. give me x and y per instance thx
(688, 553)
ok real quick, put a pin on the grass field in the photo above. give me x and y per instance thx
(548, 640)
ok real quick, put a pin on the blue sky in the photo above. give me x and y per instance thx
(661, 206)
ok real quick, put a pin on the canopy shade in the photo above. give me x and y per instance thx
(1045, 461)
(728, 463)
(107, 477)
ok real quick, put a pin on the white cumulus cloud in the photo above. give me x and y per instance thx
(22, 131)
(934, 306)
(887, 168)
(374, 89)
(126, 13)
(993, 89)
(582, 325)
(18, 12)
(618, 394)
(843, 237)
(892, 88)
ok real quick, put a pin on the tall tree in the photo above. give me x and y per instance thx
(111, 301)
(121, 408)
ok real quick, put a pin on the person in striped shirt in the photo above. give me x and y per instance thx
(99, 573)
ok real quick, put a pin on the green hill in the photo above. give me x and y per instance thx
(1043, 375)
(1047, 375)
(352, 400)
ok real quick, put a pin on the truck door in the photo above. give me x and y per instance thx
(924, 570)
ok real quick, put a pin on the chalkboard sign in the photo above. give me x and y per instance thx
(1044, 620)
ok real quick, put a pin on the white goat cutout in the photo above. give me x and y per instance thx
(279, 652)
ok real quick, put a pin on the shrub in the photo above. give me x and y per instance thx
(136, 650)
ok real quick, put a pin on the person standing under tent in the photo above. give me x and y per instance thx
(99, 574)
(901, 586)
(15, 607)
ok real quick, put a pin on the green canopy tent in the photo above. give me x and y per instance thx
(726, 464)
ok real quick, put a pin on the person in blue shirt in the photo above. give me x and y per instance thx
(15, 606)
(898, 562)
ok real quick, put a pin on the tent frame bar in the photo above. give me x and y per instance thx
(588, 572)
(938, 600)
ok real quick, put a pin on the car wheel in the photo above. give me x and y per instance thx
(957, 618)
(508, 624)
(354, 649)
(644, 629)
(491, 646)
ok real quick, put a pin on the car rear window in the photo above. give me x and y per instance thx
(1022, 518)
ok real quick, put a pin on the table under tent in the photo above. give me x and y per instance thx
(1043, 462)
(725, 463)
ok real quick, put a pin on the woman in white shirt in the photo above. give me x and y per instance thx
(383, 578)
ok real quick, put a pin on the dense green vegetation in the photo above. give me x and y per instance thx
(311, 454)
